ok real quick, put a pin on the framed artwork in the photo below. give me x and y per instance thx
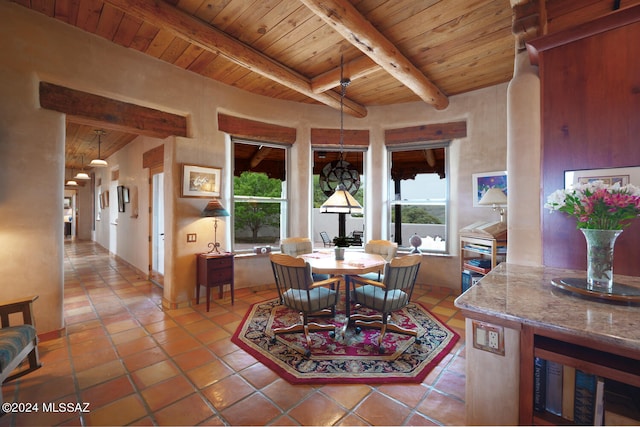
(101, 200)
(106, 198)
(125, 194)
(120, 198)
(200, 181)
(610, 176)
(482, 182)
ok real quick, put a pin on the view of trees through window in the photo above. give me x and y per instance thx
(259, 195)
(420, 198)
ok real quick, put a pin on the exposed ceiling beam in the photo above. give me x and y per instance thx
(259, 156)
(195, 31)
(354, 69)
(354, 27)
(94, 110)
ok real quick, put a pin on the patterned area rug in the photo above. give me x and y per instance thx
(350, 357)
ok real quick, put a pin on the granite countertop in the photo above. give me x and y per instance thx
(525, 294)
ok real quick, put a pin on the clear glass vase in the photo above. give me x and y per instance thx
(600, 258)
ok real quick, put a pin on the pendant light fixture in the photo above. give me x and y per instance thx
(99, 163)
(341, 201)
(82, 174)
(71, 182)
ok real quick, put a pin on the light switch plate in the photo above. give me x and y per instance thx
(488, 337)
(191, 237)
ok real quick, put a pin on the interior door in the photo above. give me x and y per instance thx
(157, 227)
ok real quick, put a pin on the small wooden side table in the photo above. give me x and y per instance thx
(214, 269)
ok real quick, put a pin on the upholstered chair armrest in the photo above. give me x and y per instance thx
(23, 305)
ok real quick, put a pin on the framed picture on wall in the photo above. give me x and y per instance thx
(120, 198)
(482, 182)
(200, 181)
(609, 176)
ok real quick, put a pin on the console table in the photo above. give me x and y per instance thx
(214, 269)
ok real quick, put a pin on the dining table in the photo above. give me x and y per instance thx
(353, 264)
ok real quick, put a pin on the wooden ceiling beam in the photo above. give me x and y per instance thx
(259, 156)
(355, 28)
(94, 110)
(355, 69)
(193, 30)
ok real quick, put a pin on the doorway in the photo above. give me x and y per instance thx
(156, 273)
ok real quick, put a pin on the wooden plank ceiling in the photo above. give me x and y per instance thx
(395, 51)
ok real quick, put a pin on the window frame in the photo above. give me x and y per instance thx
(282, 200)
(417, 202)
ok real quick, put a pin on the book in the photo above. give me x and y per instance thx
(539, 383)
(568, 391)
(585, 395)
(598, 416)
(553, 398)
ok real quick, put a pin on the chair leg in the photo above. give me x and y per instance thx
(305, 327)
(381, 323)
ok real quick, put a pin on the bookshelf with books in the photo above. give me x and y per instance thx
(581, 385)
(481, 251)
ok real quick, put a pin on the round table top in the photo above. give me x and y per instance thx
(324, 262)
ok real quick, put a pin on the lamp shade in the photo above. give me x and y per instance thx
(341, 201)
(82, 175)
(98, 163)
(214, 209)
(493, 197)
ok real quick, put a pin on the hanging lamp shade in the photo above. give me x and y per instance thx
(341, 201)
(82, 174)
(71, 182)
(99, 163)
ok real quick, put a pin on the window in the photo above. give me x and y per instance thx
(329, 223)
(420, 196)
(259, 194)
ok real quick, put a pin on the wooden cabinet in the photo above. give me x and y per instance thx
(480, 254)
(214, 270)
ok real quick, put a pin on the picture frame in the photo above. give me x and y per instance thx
(610, 176)
(200, 181)
(483, 181)
(101, 200)
(125, 194)
(105, 194)
(120, 190)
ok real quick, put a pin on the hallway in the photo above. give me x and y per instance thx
(134, 363)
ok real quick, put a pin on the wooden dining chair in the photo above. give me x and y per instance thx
(18, 342)
(385, 248)
(299, 292)
(392, 294)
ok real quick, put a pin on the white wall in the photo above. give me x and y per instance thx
(37, 48)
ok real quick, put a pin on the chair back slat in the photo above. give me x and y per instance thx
(399, 279)
(293, 279)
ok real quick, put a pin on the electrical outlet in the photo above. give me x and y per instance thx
(488, 337)
(494, 341)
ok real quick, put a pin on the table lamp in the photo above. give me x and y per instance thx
(214, 209)
(495, 197)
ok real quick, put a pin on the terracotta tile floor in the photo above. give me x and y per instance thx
(134, 363)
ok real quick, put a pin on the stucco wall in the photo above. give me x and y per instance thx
(36, 49)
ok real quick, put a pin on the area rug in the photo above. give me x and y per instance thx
(350, 357)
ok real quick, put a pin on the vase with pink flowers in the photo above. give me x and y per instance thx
(602, 212)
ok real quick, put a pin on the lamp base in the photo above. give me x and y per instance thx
(213, 247)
